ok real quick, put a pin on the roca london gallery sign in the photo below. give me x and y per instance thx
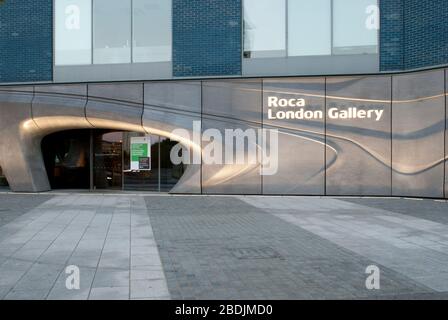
(287, 109)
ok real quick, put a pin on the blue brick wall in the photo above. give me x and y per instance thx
(391, 35)
(414, 34)
(426, 33)
(206, 37)
(26, 38)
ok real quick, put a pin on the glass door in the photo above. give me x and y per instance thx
(169, 172)
(108, 160)
(133, 161)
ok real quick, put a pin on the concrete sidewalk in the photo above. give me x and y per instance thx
(109, 238)
(134, 246)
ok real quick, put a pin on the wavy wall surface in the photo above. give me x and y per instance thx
(399, 151)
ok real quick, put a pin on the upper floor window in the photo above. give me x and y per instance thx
(73, 34)
(151, 30)
(276, 28)
(264, 28)
(112, 31)
(355, 26)
(309, 27)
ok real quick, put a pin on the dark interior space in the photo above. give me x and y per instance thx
(101, 159)
(3, 181)
(66, 155)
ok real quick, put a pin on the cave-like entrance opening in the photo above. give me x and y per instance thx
(110, 160)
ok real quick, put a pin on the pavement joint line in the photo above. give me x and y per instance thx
(36, 232)
(166, 194)
(102, 249)
(71, 255)
(36, 260)
(31, 221)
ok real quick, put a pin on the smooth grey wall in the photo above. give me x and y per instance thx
(232, 104)
(60, 106)
(113, 72)
(358, 152)
(418, 134)
(114, 104)
(362, 164)
(229, 179)
(20, 154)
(312, 65)
(261, 67)
(176, 105)
(301, 143)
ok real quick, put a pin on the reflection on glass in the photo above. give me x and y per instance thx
(264, 28)
(143, 180)
(309, 27)
(108, 160)
(151, 30)
(112, 31)
(67, 157)
(355, 26)
(73, 32)
(169, 172)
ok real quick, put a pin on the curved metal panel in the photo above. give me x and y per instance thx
(231, 104)
(301, 142)
(60, 107)
(177, 106)
(237, 99)
(183, 96)
(115, 106)
(222, 178)
(360, 163)
(20, 154)
(126, 92)
(357, 158)
(418, 134)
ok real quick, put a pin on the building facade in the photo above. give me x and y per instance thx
(98, 93)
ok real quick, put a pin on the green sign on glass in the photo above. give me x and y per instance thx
(139, 150)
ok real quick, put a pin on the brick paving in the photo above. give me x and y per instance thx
(226, 248)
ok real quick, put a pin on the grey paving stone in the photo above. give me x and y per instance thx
(149, 289)
(424, 209)
(107, 278)
(109, 293)
(147, 273)
(13, 206)
(114, 262)
(26, 295)
(64, 294)
(185, 247)
(60, 292)
(85, 260)
(4, 291)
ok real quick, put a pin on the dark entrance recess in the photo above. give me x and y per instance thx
(67, 159)
(3, 181)
(100, 159)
